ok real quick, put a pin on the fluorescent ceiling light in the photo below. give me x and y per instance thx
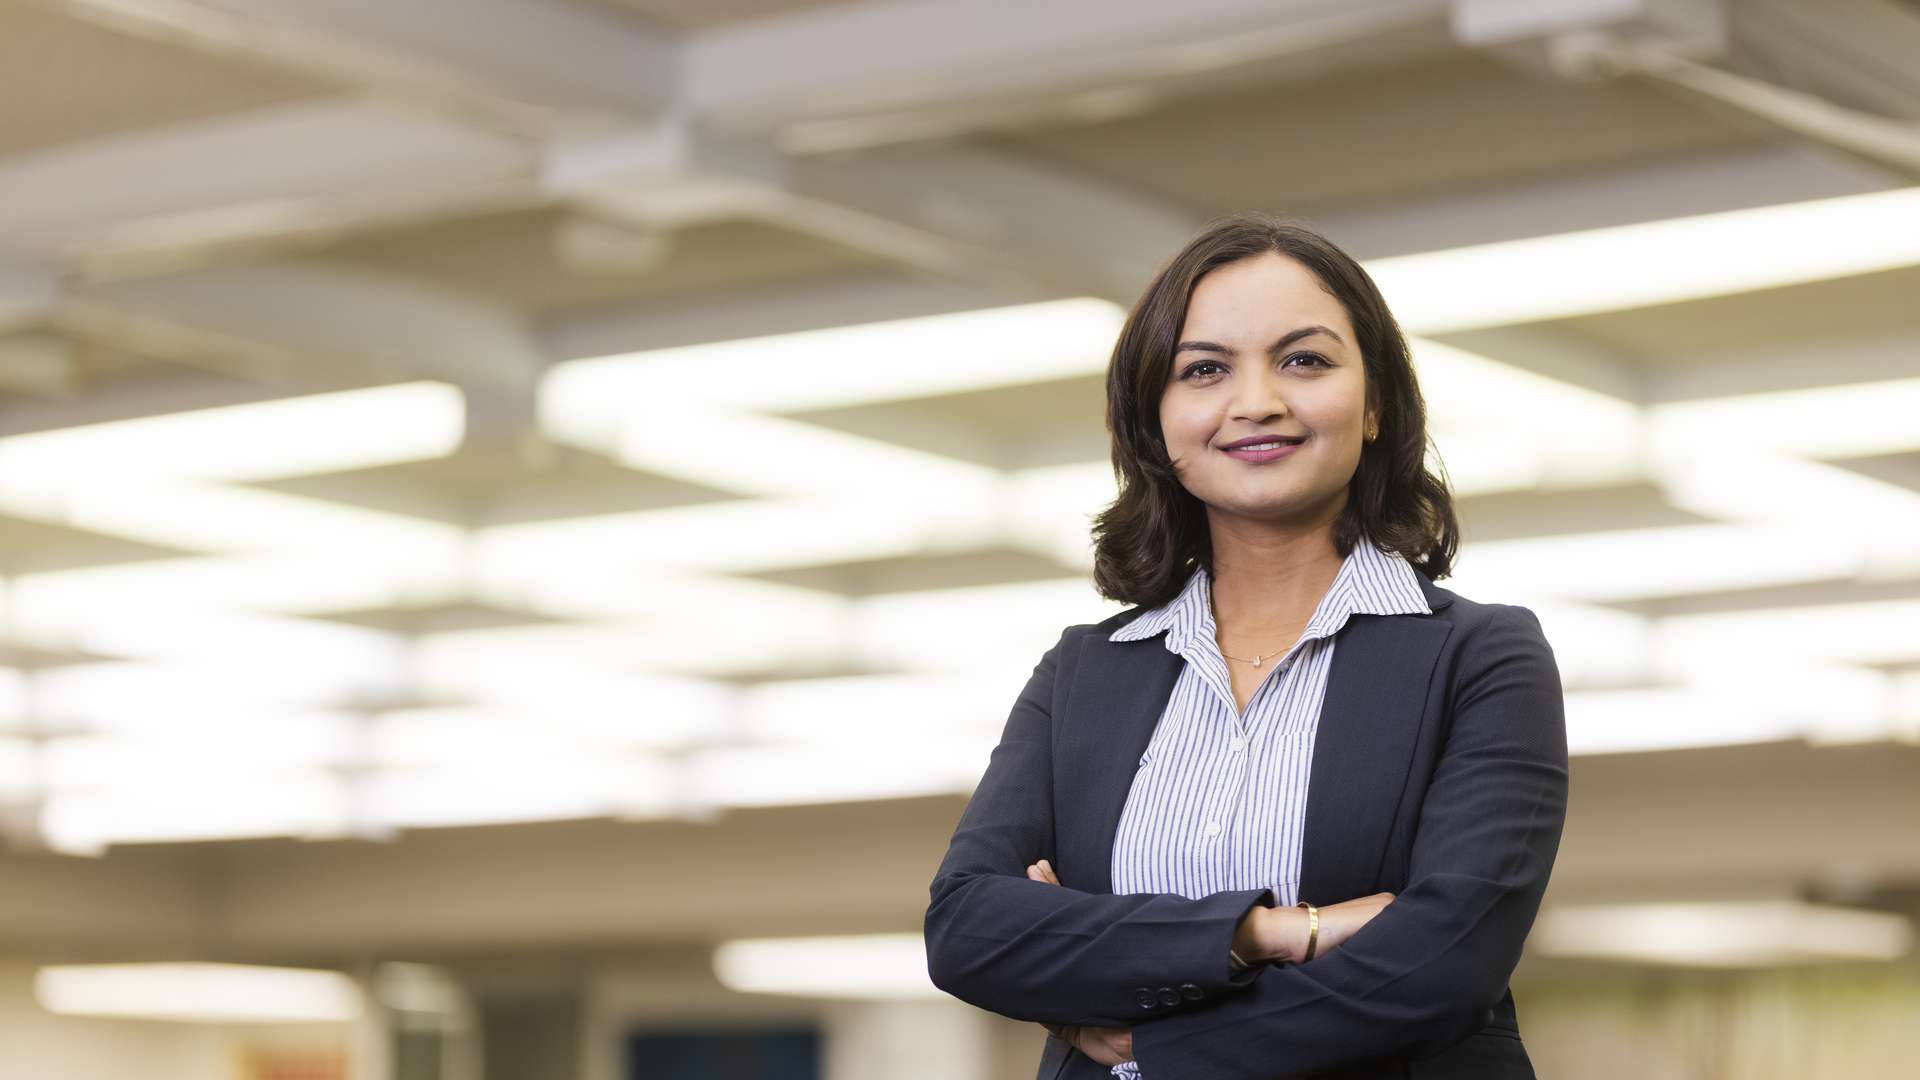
(13, 693)
(884, 708)
(1906, 706)
(1853, 420)
(182, 695)
(316, 580)
(1769, 701)
(1674, 560)
(202, 517)
(648, 714)
(539, 786)
(484, 739)
(1759, 933)
(972, 627)
(332, 432)
(633, 708)
(304, 651)
(1051, 509)
(213, 993)
(254, 804)
(19, 770)
(1872, 632)
(199, 752)
(1655, 262)
(1503, 428)
(773, 456)
(588, 401)
(734, 537)
(742, 776)
(612, 586)
(1742, 484)
(862, 967)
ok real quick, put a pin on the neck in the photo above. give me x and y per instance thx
(1269, 580)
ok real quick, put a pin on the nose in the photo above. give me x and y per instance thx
(1258, 397)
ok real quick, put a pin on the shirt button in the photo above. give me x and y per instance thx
(1238, 745)
(1213, 828)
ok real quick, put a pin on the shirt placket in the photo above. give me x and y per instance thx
(1222, 807)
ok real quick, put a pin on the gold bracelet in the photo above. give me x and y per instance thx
(1313, 928)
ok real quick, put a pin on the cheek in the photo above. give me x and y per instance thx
(1184, 427)
(1185, 439)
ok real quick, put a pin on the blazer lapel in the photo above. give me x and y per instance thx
(1369, 720)
(1119, 692)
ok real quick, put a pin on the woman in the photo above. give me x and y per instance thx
(1310, 833)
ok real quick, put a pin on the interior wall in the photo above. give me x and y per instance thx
(38, 1045)
(1823, 1023)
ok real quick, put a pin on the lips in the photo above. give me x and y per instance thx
(1260, 452)
(1264, 442)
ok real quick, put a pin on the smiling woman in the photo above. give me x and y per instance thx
(1311, 833)
(1258, 321)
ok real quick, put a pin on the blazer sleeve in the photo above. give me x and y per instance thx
(1424, 972)
(1031, 950)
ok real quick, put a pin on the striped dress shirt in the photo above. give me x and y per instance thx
(1219, 799)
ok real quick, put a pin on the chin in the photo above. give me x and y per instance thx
(1259, 509)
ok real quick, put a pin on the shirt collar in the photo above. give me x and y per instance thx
(1372, 581)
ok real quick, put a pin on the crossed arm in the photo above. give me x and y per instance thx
(1267, 935)
(1416, 978)
(1031, 950)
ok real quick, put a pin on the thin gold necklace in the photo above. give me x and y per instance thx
(1258, 658)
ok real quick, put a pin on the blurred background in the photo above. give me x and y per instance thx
(509, 510)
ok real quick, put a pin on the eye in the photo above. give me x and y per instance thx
(1323, 361)
(1194, 369)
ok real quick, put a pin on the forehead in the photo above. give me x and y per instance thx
(1260, 298)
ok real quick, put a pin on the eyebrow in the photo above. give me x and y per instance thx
(1272, 350)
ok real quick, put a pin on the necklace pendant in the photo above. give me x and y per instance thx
(1256, 659)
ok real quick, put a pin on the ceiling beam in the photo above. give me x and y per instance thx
(814, 305)
(959, 212)
(1054, 229)
(1679, 185)
(289, 171)
(841, 62)
(287, 318)
(521, 66)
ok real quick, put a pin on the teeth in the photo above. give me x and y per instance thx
(1264, 446)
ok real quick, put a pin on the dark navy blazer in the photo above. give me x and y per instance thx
(1439, 774)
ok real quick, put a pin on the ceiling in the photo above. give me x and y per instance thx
(230, 206)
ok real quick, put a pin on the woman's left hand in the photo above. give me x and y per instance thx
(1108, 1046)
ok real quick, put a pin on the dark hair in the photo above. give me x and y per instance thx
(1146, 543)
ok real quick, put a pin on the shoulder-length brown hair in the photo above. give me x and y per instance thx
(1147, 543)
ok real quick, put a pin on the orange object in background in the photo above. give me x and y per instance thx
(294, 1065)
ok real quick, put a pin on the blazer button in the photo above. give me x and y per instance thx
(1169, 996)
(1145, 998)
(1191, 992)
